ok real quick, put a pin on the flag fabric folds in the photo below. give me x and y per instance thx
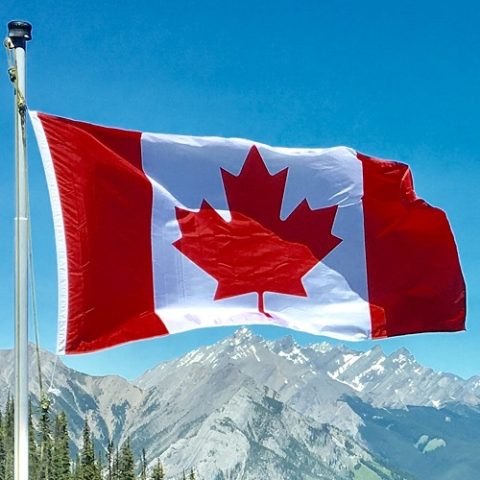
(158, 234)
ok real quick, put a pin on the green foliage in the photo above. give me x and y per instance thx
(8, 433)
(88, 468)
(33, 452)
(110, 460)
(50, 453)
(45, 464)
(61, 449)
(143, 466)
(2, 448)
(75, 468)
(158, 472)
(126, 462)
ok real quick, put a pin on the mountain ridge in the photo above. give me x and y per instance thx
(263, 399)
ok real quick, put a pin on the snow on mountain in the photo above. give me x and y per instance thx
(106, 401)
(247, 408)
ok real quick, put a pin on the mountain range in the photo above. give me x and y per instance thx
(247, 408)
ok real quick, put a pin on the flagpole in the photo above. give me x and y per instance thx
(18, 35)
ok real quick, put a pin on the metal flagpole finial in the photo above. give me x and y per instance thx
(19, 33)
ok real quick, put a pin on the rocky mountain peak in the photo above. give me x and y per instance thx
(260, 405)
(285, 344)
(322, 347)
(243, 334)
(402, 355)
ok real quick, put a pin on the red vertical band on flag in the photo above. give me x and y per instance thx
(415, 283)
(106, 201)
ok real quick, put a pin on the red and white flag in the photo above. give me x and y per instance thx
(158, 234)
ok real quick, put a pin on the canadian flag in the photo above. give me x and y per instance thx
(158, 234)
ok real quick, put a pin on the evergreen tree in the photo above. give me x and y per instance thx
(76, 468)
(9, 438)
(100, 465)
(88, 469)
(32, 446)
(110, 460)
(61, 449)
(46, 443)
(116, 465)
(143, 467)
(157, 472)
(2, 448)
(126, 462)
(50, 454)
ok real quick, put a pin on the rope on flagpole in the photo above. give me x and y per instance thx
(21, 107)
(19, 33)
(51, 388)
(33, 300)
(22, 110)
(20, 97)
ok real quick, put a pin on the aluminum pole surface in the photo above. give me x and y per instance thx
(19, 33)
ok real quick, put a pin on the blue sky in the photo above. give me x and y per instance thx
(395, 80)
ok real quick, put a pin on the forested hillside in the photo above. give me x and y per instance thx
(50, 451)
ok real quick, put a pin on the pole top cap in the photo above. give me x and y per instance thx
(19, 32)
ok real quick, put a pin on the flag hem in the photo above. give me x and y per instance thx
(59, 229)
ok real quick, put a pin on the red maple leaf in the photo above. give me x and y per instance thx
(256, 251)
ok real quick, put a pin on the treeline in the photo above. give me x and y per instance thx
(50, 452)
